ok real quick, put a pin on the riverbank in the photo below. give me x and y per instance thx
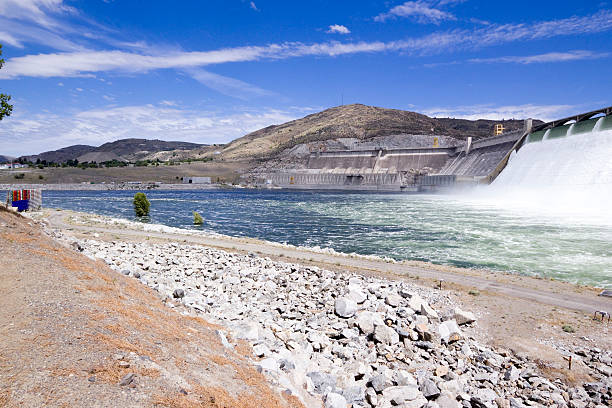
(292, 293)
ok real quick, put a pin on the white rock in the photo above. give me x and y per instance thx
(426, 310)
(366, 321)
(268, 364)
(333, 400)
(393, 300)
(399, 394)
(415, 302)
(463, 317)
(449, 331)
(356, 295)
(403, 377)
(345, 307)
(386, 335)
(261, 350)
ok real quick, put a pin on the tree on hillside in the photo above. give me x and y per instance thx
(5, 107)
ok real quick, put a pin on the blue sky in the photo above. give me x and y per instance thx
(92, 71)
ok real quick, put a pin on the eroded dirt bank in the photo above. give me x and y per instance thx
(75, 333)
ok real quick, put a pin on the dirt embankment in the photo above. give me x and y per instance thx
(75, 333)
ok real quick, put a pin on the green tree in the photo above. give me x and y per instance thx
(197, 219)
(5, 107)
(141, 205)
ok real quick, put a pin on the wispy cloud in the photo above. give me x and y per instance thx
(37, 11)
(253, 6)
(543, 58)
(227, 86)
(549, 57)
(29, 133)
(421, 11)
(90, 62)
(338, 29)
(474, 112)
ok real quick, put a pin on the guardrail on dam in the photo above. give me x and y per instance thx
(422, 168)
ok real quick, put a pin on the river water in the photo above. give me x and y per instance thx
(466, 230)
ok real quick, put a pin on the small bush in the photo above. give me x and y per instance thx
(20, 176)
(474, 292)
(568, 329)
(141, 205)
(197, 219)
(41, 177)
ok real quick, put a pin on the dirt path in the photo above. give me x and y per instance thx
(75, 333)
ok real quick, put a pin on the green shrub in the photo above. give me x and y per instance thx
(20, 176)
(568, 329)
(141, 205)
(197, 219)
(40, 177)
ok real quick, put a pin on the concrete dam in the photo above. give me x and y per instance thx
(429, 163)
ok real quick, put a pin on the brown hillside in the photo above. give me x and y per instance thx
(354, 121)
(358, 121)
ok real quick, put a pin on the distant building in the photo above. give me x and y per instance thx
(196, 180)
(13, 166)
(499, 129)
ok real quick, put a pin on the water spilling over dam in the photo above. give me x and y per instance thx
(576, 155)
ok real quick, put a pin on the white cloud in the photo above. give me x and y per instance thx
(475, 112)
(88, 62)
(338, 29)
(542, 58)
(37, 11)
(10, 40)
(33, 133)
(422, 11)
(253, 6)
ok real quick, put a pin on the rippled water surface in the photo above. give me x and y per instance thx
(440, 229)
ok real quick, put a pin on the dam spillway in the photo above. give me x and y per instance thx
(429, 163)
(577, 155)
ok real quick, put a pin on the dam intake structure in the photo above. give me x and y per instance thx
(432, 163)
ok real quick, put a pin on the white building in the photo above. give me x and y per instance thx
(196, 180)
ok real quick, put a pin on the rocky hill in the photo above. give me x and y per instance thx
(6, 159)
(355, 121)
(125, 149)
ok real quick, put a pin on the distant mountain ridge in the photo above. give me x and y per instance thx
(6, 159)
(125, 149)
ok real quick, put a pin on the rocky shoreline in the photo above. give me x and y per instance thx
(347, 339)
